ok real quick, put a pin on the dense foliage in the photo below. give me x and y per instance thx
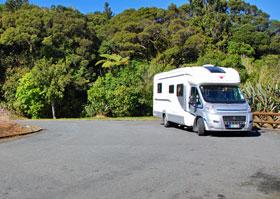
(122, 92)
(59, 62)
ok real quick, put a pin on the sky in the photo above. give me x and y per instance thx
(272, 7)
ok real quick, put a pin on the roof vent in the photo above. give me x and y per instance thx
(214, 69)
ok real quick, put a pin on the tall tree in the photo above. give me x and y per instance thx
(44, 85)
(13, 5)
(197, 7)
(108, 11)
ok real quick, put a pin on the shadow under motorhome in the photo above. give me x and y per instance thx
(206, 98)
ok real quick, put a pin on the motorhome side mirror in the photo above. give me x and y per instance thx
(250, 101)
(192, 100)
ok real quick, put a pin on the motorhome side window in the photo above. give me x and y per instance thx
(180, 90)
(159, 88)
(171, 88)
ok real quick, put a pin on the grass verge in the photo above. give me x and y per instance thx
(148, 118)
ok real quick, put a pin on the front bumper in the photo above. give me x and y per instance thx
(215, 122)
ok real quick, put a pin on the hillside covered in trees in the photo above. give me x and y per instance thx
(59, 62)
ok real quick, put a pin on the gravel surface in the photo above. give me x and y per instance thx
(137, 159)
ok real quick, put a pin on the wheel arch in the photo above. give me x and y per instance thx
(195, 122)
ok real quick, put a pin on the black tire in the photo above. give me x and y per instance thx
(244, 133)
(200, 127)
(189, 128)
(166, 123)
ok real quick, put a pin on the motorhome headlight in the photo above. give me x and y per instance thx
(210, 108)
(248, 109)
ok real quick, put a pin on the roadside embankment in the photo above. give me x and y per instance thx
(9, 128)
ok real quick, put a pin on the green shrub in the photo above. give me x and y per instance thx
(29, 97)
(121, 92)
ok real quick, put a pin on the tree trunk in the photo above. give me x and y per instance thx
(53, 109)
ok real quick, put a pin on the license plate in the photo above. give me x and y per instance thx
(234, 126)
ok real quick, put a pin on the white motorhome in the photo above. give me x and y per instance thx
(205, 98)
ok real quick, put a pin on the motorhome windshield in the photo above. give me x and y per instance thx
(222, 94)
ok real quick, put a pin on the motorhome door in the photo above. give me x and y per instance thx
(194, 101)
(181, 95)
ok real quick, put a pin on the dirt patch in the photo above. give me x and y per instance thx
(11, 129)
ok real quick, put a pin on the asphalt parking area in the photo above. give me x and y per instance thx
(137, 159)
